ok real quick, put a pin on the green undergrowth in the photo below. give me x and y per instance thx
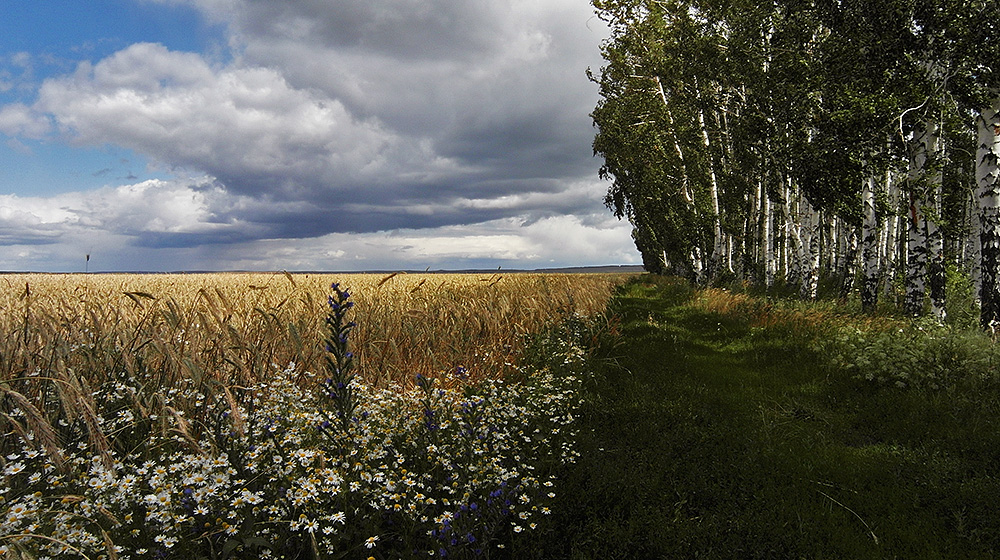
(723, 426)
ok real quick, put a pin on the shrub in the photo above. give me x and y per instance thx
(922, 354)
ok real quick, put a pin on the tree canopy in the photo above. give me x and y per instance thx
(738, 136)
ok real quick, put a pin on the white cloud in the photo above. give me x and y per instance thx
(245, 126)
(552, 242)
(461, 123)
(19, 120)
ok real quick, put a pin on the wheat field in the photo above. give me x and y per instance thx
(182, 415)
(236, 327)
(62, 336)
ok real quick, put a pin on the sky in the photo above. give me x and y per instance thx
(172, 135)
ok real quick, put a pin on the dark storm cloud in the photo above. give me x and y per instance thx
(396, 28)
(18, 236)
(336, 117)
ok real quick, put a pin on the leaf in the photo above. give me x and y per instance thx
(230, 546)
(258, 542)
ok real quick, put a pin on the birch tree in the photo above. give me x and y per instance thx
(658, 86)
(768, 139)
(960, 41)
(869, 244)
(988, 195)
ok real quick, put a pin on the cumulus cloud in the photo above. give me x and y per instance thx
(349, 117)
(245, 126)
(18, 120)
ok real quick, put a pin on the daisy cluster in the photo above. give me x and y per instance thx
(321, 468)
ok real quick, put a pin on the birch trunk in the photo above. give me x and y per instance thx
(713, 186)
(794, 232)
(841, 244)
(850, 263)
(810, 250)
(976, 245)
(787, 248)
(869, 251)
(935, 239)
(893, 249)
(797, 255)
(697, 266)
(916, 259)
(695, 259)
(767, 235)
(988, 191)
(923, 236)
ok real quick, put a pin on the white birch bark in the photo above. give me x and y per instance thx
(809, 249)
(815, 249)
(697, 266)
(685, 185)
(796, 256)
(918, 249)
(869, 248)
(988, 193)
(850, 271)
(713, 187)
(695, 259)
(976, 245)
(935, 238)
(838, 262)
(786, 242)
(768, 238)
(753, 258)
(794, 232)
(916, 258)
(730, 249)
(894, 225)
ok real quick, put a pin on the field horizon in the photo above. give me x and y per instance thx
(590, 269)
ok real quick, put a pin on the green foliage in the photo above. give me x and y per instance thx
(962, 300)
(923, 355)
(703, 102)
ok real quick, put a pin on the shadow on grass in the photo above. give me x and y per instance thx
(709, 438)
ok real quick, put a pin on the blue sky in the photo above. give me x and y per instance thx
(51, 38)
(300, 135)
(67, 29)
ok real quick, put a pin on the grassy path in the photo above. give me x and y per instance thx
(705, 438)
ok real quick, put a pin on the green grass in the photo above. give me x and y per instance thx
(705, 436)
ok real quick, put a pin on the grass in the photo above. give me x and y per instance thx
(720, 426)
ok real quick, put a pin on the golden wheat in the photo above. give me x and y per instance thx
(62, 336)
